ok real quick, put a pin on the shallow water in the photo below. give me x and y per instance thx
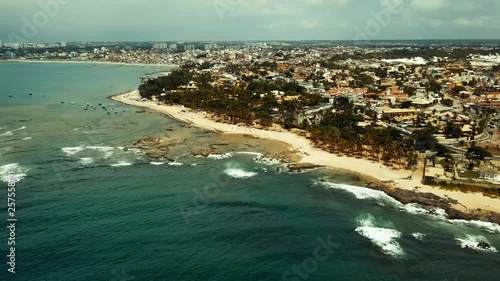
(88, 210)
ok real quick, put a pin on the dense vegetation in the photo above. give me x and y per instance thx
(252, 102)
(339, 132)
(245, 104)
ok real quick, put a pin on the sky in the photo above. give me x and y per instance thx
(235, 20)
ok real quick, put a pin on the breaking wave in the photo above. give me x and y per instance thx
(86, 161)
(384, 238)
(219, 156)
(238, 173)
(122, 164)
(475, 242)
(18, 171)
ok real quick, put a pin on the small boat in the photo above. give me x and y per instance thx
(30, 94)
(72, 103)
(10, 96)
(84, 108)
(62, 102)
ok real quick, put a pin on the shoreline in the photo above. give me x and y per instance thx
(89, 62)
(379, 174)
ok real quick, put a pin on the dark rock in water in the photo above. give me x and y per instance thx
(484, 245)
(355, 178)
(202, 152)
(431, 201)
(140, 111)
(303, 167)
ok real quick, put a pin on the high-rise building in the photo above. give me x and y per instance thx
(11, 45)
(189, 47)
(210, 46)
(63, 44)
(160, 46)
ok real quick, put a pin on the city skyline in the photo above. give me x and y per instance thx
(240, 20)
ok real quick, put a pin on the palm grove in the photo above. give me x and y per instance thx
(250, 102)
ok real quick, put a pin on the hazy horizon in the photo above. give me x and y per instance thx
(244, 20)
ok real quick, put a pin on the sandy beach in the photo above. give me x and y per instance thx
(90, 62)
(313, 155)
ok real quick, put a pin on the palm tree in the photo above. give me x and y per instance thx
(461, 143)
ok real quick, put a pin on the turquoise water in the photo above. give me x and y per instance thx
(88, 210)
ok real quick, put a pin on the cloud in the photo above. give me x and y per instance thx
(429, 6)
(466, 22)
(310, 23)
(328, 2)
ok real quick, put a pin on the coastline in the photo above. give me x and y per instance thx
(470, 203)
(90, 62)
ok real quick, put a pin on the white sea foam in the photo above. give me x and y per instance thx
(86, 161)
(239, 173)
(472, 242)
(382, 237)
(267, 161)
(157, 163)
(70, 151)
(7, 134)
(107, 150)
(488, 226)
(363, 193)
(5, 149)
(256, 154)
(18, 171)
(175, 163)
(219, 156)
(418, 236)
(27, 138)
(122, 164)
(414, 208)
(380, 196)
(19, 129)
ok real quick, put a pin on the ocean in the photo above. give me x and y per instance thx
(88, 208)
